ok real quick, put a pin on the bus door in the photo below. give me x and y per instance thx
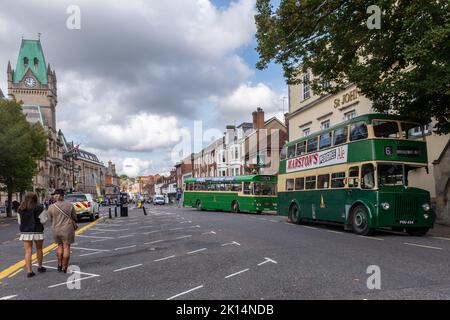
(352, 193)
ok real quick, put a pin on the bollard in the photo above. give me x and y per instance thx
(110, 213)
(145, 211)
(115, 211)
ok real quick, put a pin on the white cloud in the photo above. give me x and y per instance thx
(134, 167)
(246, 99)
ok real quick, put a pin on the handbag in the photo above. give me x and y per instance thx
(74, 224)
(43, 217)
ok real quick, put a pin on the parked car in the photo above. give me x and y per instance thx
(159, 200)
(85, 206)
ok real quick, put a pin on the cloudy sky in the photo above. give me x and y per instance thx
(139, 75)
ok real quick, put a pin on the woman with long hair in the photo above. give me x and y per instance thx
(31, 230)
(62, 215)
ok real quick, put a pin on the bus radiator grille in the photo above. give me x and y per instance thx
(406, 209)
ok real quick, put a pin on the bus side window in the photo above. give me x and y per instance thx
(247, 188)
(290, 185)
(338, 180)
(340, 136)
(325, 140)
(312, 145)
(368, 176)
(300, 184)
(283, 153)
(301, 148)
(291, 152)
(311, 183)
(353, 177)
(323, 181)
(358, 131)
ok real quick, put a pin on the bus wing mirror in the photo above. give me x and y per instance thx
(428, 169)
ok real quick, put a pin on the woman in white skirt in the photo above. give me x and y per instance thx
(31, 230)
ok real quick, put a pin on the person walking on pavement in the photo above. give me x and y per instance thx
(31, 230)
(62, 217)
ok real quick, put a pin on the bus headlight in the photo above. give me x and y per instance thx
(426, 207)
(426, 216)
(386, 206)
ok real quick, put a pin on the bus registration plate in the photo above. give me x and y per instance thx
(407, 222)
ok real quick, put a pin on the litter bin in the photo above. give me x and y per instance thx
(124, 211)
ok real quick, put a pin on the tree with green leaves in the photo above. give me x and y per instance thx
(22, 145)
(403, 66)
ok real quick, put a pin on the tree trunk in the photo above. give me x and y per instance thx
(9, 206)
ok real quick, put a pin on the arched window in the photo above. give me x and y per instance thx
(36, 62)
(25, 61)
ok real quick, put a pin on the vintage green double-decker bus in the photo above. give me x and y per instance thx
(252, 193)
(358, 173)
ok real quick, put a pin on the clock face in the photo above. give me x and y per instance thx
(30, 82)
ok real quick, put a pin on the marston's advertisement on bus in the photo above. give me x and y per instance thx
(319, 159)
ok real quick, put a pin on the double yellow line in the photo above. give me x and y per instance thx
(18, 267)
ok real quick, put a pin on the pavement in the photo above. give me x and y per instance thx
(180, 253)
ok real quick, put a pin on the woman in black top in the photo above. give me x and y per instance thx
(31, 229)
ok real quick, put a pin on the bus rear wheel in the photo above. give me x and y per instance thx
(294, 214)
(360, 220)
(417, 232)
(235, 207)
(199, 205)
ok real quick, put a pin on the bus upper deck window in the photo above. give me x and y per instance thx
(358, 131)
(312, 145)
(325, 140)
(301, 148)
(291, 152)
(283, 153)
(368, 176)
(340, 136)
(412, 130)
(386, 129)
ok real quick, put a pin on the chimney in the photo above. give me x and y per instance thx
(258, 119)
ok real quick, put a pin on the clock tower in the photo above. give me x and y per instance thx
(33, 82)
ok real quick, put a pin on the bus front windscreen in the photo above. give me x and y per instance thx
(265, 189)
(391, 175)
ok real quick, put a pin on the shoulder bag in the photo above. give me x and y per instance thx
(75, 226)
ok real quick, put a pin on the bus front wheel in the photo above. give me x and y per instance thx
(235, 207)
(294, 214)
(417, 232)
(361, 221)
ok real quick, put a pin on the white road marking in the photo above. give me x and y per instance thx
(235, 274)
(184, 237)
(196, 251)
(166, 258)
(72, 281)
(101, 240)
(89, 254)
(153, 242)
(176, 229)
(268, 260)
(93, 237)
(275, 221)
(110, 230)
(312, 228)
(183, 293)
(124, 248)
(372, 238)
(336, 232)
(131, 267)
(156, 231)
(123, 237)
(441, 238)
(87, 249)
(211, 232)
(231, 244)
(422, 246)
(9, 297)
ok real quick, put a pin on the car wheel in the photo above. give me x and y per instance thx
(417, 232)
(360, 219)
